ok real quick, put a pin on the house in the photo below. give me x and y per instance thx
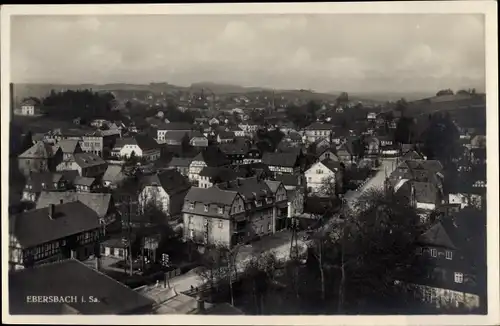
(425, 197)
(318, 130)
(210, 176)
(141, 146)
(229, 213)
(116, 247)
(69, 148)
(113, 176)
(338, 135)
(279, 163)
(181, 164)
(174, 138)
(211, 156)
(85, 184)
(225, 137)
(451, 256)
(235, 151)
(213, 121)
(164, 128)
(101, 203)
(345, 153)
(41, 157)
(44, 181)
(53, 233)
(165, 190)
(327, 153)
(73, 280)
(98, 123)
(281, 204)
(249, 128)
(295, 185)
(87, 165)
(253, 155)
(372, 116)
(197, 139)
(478, 141)
(238, 132)
(372, 146)
(30, 107)
(322, 172)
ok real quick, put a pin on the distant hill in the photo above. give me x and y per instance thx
(446, 103)
(220, 89)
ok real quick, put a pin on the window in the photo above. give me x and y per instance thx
(459, 278)
(268, 226)
(191, 205)
(433, 252)
(221, 210)
(221, 224)
(449, 255)
(205, 208)
(258, 203)
(261, 229)
(308, 179)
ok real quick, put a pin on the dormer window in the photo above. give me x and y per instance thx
(459, 278)
(221, 210)
(433, 252)
(191, 206)
(449, 255)
(205, 208)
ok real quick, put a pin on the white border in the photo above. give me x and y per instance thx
(488, 8)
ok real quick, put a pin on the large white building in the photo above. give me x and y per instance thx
(320, 173)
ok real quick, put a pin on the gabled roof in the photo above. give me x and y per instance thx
(249, 188)
(280, 159)
(68, 146)
(72, 278)
(36, 227)
(170, 180)
(180, 161)
(113, 173)
(222, 134)
(43, 180)
(220, 174)
(84, 181)
(98, 202)
(436, 236)
(273, 185)
(291, 179)
(85, 160)
(332, 165)
(237, 147)
(212, 157)
(40, 150)
(320, 126)
(212, 195)
(425, 192)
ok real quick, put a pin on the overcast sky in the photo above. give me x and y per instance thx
(349, 52)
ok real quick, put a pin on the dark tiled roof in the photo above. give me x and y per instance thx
(84, 181)
(113, 173)
(320, 126)
(332, 165)
(145, 142)
(238, 147)
(72, 278)
(180, 162)
(85, 160)
(35, 227)
(212, 157)
(291, 179)
(40, 150)
(219, 174)
(48, 179)
(170, 180)
(98, 202)
(436, 236)
(222, 134)
(249, 188)
(280, 159)
(425, 192)
(213, 195)
(176, 135)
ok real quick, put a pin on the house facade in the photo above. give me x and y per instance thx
(87, 165)
(53, 233)
(165, 190)
(41, 157)
(318, 130)
(280, 163)
(320, 173)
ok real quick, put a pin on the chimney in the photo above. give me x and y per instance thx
(52, 209)
(200, 304)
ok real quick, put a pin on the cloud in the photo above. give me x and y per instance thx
(322, 52)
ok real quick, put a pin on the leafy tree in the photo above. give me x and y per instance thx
(342, 99)
(26, 142)
(185, 144)
(403, 132)
(444, 92)
(441, 139)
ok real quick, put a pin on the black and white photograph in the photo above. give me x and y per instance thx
(250, 160)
